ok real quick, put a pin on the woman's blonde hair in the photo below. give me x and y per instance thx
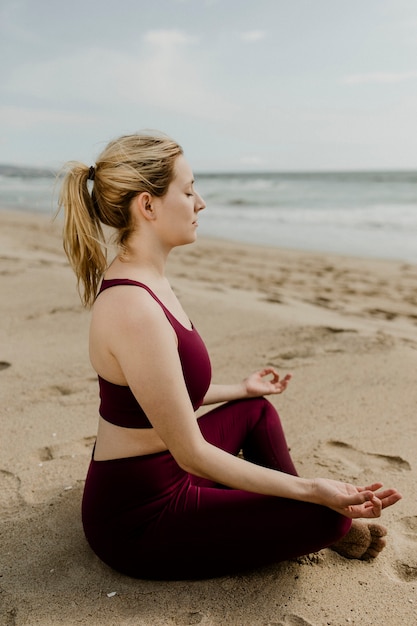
(128, 166)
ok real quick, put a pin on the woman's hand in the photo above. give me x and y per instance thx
(261, 383)
(351, 501)
(265, 382)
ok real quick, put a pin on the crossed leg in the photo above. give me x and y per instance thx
(254, 426)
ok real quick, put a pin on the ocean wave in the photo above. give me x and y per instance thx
(352, 213)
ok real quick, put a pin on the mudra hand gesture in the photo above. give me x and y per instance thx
(266, 382)
(352, 501)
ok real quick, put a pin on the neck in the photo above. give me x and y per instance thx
(144, 256)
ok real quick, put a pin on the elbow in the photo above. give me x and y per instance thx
(193, 460)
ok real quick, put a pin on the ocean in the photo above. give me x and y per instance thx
(362, 214)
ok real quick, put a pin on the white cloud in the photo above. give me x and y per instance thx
(170, 78)
(252, 36)
(379, 77)
(161, 73)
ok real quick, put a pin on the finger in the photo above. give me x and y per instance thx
(368, 498)
(359, 498)
(286, 379)
(385, 492)
(373, 487)
(390, 499)
(269, 371)
(376, 505)
(372, 508)
(279, 386)
(364, 513)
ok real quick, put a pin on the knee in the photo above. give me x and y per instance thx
(268, 410)
(258, 406)
(261, 410)
(267, 405)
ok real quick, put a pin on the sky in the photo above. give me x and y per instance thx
(263, 85)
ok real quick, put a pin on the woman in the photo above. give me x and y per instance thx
(168, 495)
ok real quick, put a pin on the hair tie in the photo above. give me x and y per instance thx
(91, 173)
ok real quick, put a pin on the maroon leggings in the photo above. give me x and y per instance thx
(146, 517)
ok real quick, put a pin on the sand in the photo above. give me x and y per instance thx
(346, 329)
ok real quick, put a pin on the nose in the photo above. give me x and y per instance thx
(199, 202)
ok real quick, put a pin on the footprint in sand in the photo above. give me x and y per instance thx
(349, 462)
(60, 310)
(382, 313)
(67, 450)
(64, 391)
(404, 535)
(10, 499)
(292, 620)
(190, 617)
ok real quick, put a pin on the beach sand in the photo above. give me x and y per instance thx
(347, 330)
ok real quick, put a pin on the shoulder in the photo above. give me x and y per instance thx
(123, 308)
(122, 293)
(129, 330)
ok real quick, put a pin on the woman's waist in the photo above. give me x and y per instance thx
(119, 485)
(115, 442)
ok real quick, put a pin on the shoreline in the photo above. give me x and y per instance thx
(344, 326)
(56, 217)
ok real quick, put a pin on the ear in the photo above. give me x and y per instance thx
(143, 204)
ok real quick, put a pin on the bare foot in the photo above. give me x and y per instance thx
(363, 541)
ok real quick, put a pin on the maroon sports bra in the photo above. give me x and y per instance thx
(119, 406)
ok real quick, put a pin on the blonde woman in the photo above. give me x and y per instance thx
(168, 495)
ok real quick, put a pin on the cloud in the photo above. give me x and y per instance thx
(379, 77)
(252, 36)
(164, 71)
(171, 78)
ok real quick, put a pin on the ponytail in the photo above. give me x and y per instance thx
(83, 238)
(127, 167)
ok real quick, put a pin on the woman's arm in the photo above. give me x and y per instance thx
(145, 347)
(261, 383)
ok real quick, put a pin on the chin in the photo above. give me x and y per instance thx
(193, 236)
(185, 241)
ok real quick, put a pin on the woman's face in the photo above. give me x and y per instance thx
(177, 211)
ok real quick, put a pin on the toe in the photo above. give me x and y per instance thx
(377, 530)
